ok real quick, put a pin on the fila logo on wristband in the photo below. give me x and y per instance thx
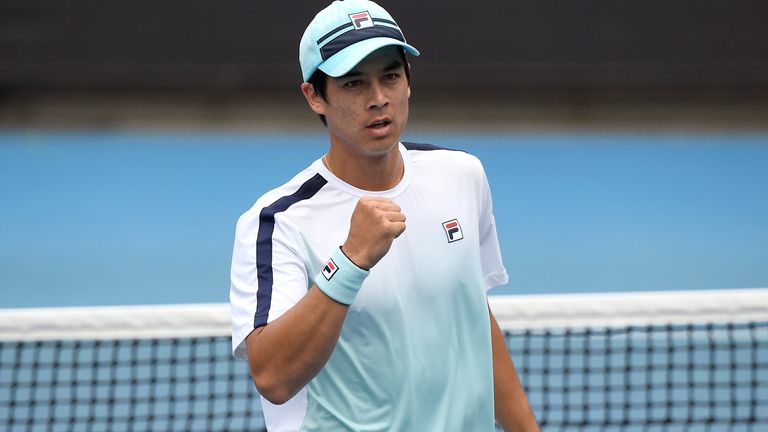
(453, 230)
(330, 269)
(349, 278)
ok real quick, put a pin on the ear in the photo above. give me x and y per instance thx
(409, 81)
(314, 100)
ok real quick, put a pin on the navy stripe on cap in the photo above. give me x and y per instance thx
(334, 31)
(352, 37)
(349, 24)
(382, 20)
(264, 244)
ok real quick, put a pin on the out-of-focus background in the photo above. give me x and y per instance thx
(625, 142)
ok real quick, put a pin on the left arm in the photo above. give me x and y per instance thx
(513, 412)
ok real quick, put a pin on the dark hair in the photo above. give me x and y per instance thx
(319, 81)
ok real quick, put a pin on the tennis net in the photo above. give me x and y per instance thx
(666, 361)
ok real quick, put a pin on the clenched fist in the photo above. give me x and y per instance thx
(375, 223)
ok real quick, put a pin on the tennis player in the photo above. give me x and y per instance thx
(359, 287)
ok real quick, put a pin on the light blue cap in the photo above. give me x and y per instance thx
(344, 33)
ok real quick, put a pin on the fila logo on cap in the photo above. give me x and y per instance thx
(453, 230)
(361, 20)
(330, 269)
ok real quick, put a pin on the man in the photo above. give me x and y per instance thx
(350, 321)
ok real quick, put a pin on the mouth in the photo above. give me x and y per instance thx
(379, 123)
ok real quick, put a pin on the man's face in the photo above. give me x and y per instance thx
(367, 109)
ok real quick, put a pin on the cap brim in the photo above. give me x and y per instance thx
(346, 59)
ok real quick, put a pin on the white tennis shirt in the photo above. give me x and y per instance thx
(415, 350)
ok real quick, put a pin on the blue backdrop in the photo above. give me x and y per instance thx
(99, 218)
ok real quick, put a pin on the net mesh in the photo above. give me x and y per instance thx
(190, 384)
(707, 374)
(711, 376)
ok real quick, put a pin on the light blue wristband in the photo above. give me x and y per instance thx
(340, 278)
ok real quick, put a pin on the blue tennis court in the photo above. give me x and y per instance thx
(102, 218)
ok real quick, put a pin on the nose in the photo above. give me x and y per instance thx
(378, 99)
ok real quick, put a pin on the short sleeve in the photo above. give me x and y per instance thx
(494, 272)
(268, 275)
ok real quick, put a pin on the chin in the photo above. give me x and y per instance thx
(382, 146)
(389, 139)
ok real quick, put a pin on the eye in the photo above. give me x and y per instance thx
(353, 84)
(391, 77)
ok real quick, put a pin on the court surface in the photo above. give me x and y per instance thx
(102, 218)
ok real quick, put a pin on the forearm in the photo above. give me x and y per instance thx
(287, 353)
(513, 412)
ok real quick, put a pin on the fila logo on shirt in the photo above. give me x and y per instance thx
(330, 269)
(453, 230)
(361, 20)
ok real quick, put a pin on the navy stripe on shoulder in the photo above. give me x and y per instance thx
(425, 147)
(264, 243)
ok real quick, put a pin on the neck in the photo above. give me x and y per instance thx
(371, 173)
